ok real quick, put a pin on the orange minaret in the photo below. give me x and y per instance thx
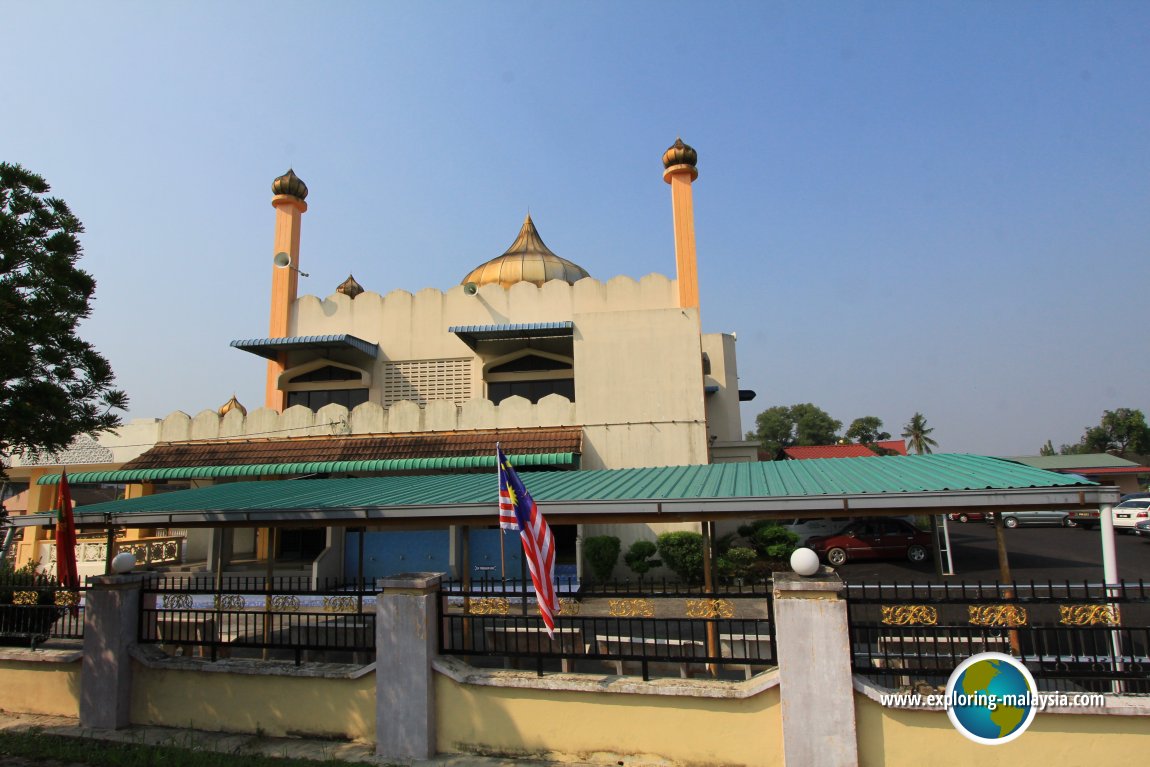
(679, 163)
(289, 192)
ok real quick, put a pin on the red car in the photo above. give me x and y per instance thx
(966, 516)
(873, 539)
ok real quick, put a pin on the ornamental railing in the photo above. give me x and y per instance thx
(1071, 636)
(34, 610)
(622, 628)
(254, 617)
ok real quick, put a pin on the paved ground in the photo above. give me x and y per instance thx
(295, 748)
(1038, 553)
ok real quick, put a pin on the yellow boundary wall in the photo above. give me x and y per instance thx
(254, 699)
(890, 737)
(603, 718)
(50, 684)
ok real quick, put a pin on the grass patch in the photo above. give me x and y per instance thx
(37, 745)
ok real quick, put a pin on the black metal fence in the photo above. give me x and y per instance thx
(278, 618)
(658, 630)
(1071, 636)
(34, 609)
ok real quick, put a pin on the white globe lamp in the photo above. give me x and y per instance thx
(804, 562)
(123, 563)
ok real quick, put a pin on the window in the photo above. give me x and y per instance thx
(531, 374)
(324, 382)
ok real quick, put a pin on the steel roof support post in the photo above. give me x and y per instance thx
(1110, 581)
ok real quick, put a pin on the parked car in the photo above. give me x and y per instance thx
(1128, 513)
(1014, 519)
(873, 539)
(966, 516)
(808, 528)
(1143, 529)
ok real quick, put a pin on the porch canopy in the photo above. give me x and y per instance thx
(878, 486)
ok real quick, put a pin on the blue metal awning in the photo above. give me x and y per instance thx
(473, 334)
(269, 348)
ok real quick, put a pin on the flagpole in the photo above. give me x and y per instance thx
(502, 562)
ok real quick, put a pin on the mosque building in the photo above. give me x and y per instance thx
(566, 370)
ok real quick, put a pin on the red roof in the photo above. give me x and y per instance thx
(1106, 470)
(896, 446)
(828, 451)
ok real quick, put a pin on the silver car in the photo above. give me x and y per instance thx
(1014, 519)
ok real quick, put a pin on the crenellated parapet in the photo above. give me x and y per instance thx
(414, 325)
(369, 418)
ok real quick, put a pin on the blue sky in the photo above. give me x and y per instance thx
(902, 206)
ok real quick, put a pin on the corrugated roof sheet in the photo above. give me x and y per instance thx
(1072, 462)
(472, 334)
(837, 477)
(268, 347)
(375, 447)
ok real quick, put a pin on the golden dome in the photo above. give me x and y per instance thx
(680, 154)
(527, 260)
(349, 287)
(290, 184)
(230, 405)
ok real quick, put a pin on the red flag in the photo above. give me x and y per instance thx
(517, 506)
(66, 570)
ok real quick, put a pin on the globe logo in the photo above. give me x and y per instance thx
(991, 698)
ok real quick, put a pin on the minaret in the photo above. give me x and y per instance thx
(289, 192)
(679, 163)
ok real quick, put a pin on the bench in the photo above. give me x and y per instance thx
(533, 639)
(649, 647)
(749, 646)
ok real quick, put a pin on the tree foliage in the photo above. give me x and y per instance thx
(1120, 431)
(786, 426)
(1047, 449)
(682, 553)
(54, 386)
(917, 435)
(601, 553)
(866, 430)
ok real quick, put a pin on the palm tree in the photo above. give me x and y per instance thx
(918, 435)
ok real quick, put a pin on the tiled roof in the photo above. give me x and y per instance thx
(897, 446)
(562, 439)
(828, 451)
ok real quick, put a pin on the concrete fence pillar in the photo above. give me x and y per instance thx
(111, 625)
(815, 681)
(406, 640)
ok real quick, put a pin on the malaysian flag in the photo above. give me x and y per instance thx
(517, 511)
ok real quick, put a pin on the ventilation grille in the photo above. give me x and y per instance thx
(424, 380)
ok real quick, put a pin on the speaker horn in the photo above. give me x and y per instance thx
(283, 261)
(470, 288)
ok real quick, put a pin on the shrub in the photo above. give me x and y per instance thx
(682, 553)
(601, 553)
(770, 539)
(640, 557)
(736, 563)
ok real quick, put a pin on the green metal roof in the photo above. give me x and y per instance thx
(1078, 461)
(442, 463)
(720, 488)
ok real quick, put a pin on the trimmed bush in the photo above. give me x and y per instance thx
(770, 539)
(601, 553)
(737, 563)
(640, 557)
(682, 553)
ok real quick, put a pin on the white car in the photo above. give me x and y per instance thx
(1129, 513)
(807, 528)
